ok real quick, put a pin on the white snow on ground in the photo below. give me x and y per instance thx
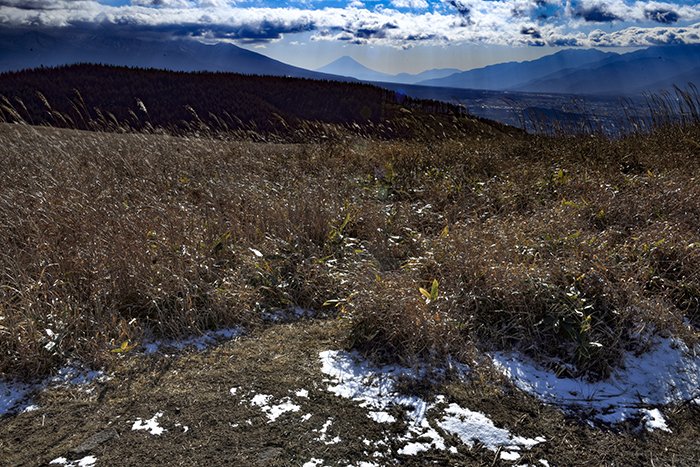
(185, 428)
(470, 426)
(669, 373)
(352, 377)
(287, 315)
(14, 396)
(654, 420)
(313, 462)
(323, 431)
(274, 411)
(87, 461)
(381, 416)
(302, 393)
(208, 339)
(76, 375)
(151, 425)
(509, 456)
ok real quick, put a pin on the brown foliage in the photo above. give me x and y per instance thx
(569, 249)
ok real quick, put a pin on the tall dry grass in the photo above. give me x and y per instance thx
(569, 249)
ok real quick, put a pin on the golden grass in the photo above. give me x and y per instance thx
(570, 249)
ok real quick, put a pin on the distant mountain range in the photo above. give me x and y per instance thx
(571, 71)
(31, 49)
(587, 71)
(349, 67)
(510, 75)
(649, 69)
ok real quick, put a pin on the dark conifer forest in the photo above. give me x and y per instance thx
(83, 96)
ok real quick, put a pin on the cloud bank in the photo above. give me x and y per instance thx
(400, 23)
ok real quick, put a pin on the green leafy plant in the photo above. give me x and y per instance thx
(432, 295)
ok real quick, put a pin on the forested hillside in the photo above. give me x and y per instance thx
(90, 96)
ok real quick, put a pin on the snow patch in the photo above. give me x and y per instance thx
(14, 396)
(287, 315)
(509, 455)
(470, 426)
(302, 393)
(669, 373)
(654, 420)
(208, 339)
(323, 432)
(185, 428)
(273, 412)
(151, 425)
(313, 462)
(76, 375)
(381, 416)
(352, 377)
(87, 461)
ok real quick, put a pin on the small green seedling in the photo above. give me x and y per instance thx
(433, 294)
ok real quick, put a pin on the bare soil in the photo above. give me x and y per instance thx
(193, 389)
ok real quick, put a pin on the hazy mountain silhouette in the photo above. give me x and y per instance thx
(348, 66)
(31, 49)
(650, 69)
(681, 80)
(513, 74)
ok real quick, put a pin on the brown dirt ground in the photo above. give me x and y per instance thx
(193, 389)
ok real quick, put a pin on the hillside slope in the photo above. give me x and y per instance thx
(31, 49)
(76, 95)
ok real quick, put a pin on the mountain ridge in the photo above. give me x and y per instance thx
(350, 67)
(647, 70)
(33, 49)
(506, 75)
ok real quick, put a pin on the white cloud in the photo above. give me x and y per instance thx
(412, 4)
(504, 22)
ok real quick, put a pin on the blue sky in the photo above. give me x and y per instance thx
(390, 35)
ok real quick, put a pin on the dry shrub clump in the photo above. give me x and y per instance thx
(572, 250)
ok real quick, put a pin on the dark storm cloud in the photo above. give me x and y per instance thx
(531, 31)
(661, 15)
(596, 14)
(534, 36)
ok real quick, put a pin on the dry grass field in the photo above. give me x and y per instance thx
(571, 250)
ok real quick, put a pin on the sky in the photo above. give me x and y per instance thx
(387, 35)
